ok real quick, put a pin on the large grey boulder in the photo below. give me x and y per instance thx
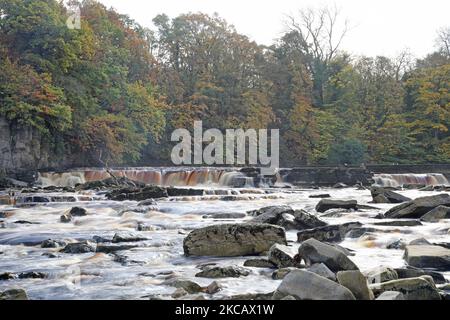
(437, 214)
(232, 240)
(282, 256)
(426, 256)
(328, 204)
(305, 285)
(313, 251)
(422, 288)
(355, 281)
(415, 209)
(287, 218)
(381, 195)
(322, 270)
(333, 233)
(381, 274)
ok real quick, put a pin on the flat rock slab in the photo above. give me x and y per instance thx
(412, 288)
(328, 204)
(415, 209)
(426, 256)
(232, 240)
(305, 285)
(333, 233)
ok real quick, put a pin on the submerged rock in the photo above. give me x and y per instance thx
(223, 272)
(78, 212)
(138, 194)
(231, 240)
(413, 288)
(226, 215)
(327, 204)
(79, 247)
(381, 195)
(66, 217)
(305, 285)
(417, 208)
(399, 223)
(14, 294)
(428, 256)
(53, 243)
(320, 196)
(313, 251)
(190, 286)
(355, 281)
(127, 237)
(259, 263)
(437, 214)
(333, 233)
(280, 274)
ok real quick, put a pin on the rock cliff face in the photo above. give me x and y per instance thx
(22, 149)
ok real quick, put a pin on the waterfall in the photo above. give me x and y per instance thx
(177, 177)
(399, 180)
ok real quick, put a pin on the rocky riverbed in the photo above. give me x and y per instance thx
(225, 243)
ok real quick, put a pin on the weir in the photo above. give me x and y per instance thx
(247, 177)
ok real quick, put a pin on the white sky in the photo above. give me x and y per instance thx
(380, 27)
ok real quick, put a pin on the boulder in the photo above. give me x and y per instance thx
(137, 194)
(437, 214)
(231, 240)
(305, 285)
(412, 288)
(78, 212)
(259, 263)
(381, 274)
(66, 217)
(313, 251)
(415, 209)
(287, 218)
(404, 273)
(322, 270)
(419, 242)
(280, 274)
(14, 294)
(426, 256)
(127, 237)
(399, 223)
(223, 272)
(333, 233)
(190, 286)
(327, 204)
(381, 195)
(391, 295)
(355, 281)
(79, 247)
(53, 243)
(282, 256)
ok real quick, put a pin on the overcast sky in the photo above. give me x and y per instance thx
(380, 27)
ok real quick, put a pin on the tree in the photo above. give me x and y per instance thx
(319, 34)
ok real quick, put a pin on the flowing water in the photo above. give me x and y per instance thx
(99, 276)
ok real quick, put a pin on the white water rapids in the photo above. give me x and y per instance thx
(98, 276)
